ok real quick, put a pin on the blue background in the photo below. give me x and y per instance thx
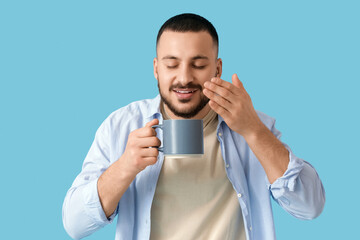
(66, 65)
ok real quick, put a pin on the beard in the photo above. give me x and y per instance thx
(189, 112)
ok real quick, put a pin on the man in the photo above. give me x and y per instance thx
(223, 195)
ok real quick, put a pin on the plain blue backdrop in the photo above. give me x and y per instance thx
(66, 65)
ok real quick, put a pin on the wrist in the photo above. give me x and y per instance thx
(255, 133)
(125, 172)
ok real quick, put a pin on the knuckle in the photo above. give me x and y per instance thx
(153, 132)
(132, 152)
(149, 131)
(138, 163)
(155, 141)
(154, 151)
(222, 102)
(152, 160)
(131, 141)
(213, 104)
(223, 111)
(208, 93)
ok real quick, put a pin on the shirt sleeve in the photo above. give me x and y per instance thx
(82, 211)
(299, 191)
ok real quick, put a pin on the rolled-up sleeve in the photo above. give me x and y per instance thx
(299, 191)
(82, 211)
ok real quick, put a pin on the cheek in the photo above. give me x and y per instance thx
(205, 76)
(165, 73)
(164, 83)
(166, 78)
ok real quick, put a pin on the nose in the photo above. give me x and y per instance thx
(185, 76)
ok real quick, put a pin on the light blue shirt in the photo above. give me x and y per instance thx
(299, 191)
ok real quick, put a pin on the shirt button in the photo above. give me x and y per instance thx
(227, 165)
(220, 134)
(239, 195)
(250, 228)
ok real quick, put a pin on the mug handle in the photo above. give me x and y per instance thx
(161, 149)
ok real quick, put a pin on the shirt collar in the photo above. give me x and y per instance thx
(153, 109)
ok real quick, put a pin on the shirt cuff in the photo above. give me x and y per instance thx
(287, 182)
(93, 206)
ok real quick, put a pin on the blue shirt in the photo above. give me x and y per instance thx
(299, 191)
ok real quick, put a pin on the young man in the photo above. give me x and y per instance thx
(223, 195)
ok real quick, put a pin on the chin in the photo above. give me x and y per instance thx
(194, 100)
(184, 108)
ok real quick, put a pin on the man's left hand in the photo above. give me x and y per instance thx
(233, 104)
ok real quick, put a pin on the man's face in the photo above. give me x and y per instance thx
(185, 61)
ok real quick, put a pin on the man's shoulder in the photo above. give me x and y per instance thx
(136, 110)
(140, 106)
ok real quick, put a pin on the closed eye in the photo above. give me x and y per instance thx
(199, 67)
(172, 67)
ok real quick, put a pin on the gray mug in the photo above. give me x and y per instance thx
(182, 138)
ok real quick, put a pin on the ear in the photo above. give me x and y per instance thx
(218, 67)
(155, 68)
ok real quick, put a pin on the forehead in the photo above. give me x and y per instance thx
(186, 44)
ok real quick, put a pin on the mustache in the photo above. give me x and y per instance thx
(190, 85)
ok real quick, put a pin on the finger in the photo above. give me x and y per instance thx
(145, 132)
(219, 90)
(219, 110)
(149, 152)
(152, 123)
(225, 84)
(236, 81)
(150, 160)
(149, 142)
(217, 99)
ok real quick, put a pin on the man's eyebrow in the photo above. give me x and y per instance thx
(169, 57)
(194, 58)
(200, 57)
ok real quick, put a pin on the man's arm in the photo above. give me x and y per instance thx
(138, 155)
(232, 102)
(270, 152)
(93, 198)
(294, 183)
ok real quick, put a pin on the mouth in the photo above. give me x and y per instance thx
(185, 93)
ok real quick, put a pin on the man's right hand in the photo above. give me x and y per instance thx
(141, 148)
(140, 152)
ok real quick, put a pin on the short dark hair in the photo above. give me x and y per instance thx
(189, 22)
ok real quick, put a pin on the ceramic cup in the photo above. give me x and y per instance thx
(182, 138)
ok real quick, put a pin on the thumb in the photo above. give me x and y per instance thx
(236, 81)
(152, 122)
